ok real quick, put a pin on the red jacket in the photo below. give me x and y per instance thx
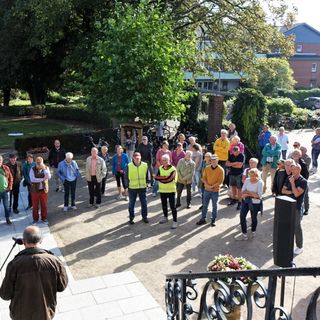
(9, 177)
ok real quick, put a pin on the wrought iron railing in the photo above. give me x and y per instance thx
(223, 293)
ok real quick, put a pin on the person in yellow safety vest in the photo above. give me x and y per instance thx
(136, 180)
(167, 178)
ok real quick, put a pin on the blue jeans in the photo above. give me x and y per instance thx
(4, 198)
(243, 216)
(69, 187)
(142, 193)
(315, 154)
(195, 180)
(207, 195)
(155, 187)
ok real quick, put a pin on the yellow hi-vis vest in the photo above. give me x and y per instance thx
(137, 175)
(167, 187)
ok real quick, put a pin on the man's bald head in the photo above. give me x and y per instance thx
(32, 236)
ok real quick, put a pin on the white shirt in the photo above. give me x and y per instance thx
(283, 141)
(253, 187)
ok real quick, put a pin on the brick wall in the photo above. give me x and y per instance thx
(303, 74)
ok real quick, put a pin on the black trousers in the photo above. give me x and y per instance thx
(164, 201)
(94, 190)
(14, 193)
(103, 184)
(180, 187)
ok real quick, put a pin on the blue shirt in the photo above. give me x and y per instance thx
(264, 138)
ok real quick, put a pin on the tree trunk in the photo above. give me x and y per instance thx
(37, 93)
(6, 96)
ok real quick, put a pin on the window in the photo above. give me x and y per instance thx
(299, 48)
(314, 67)
(312, 84)
(210, 85)
(224, 85)
(205, 85)
(215, 85)
(199, 85)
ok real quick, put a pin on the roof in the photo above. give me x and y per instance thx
(303, 33)
(213, 76)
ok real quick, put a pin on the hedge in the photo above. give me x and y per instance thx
(73, 142)
(299, 94)
(77, 112)
(283, 106)
(19, 111)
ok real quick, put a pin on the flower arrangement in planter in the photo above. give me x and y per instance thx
(229, 263)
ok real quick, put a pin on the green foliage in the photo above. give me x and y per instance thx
(283, 106)
(138, 66)
(78, 112)
(299, 94)
(249, 113)
(271, 75)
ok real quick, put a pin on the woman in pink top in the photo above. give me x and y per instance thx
(235, 141)
(178, 154)
(164, 150)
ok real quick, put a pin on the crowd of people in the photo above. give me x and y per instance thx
(189, 166)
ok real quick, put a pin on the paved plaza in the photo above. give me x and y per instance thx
(117, 267)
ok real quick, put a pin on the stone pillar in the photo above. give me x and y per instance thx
(215, 117)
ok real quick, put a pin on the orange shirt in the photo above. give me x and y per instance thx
(93, 167)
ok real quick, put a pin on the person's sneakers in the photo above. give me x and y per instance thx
(297, 251)
(34, 222)
(119, 197)
(238, 206)
(74, 207)
(201, 222)
(16, 211)
(97, 206)
(163, 220)
(253, 234)
(145, 220)
(131, 221)
(188, 206)
(8, 221)
(231, 202)
(126, 198)
(45, 221)
(154, 194)
(57, 189)
(65, 209)
(200, 208)
(178, 205)
(90, 205)
(213, 223)
(306, 213)
(174, 225)
(243, 237)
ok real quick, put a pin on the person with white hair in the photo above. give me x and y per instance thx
(283, 140)
(271, 154)
(167, 178)
(68, 172)
(185, 170)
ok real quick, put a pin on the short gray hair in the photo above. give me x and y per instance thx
(224, 131)
(165, 157)
(32, 235)
(69, 155)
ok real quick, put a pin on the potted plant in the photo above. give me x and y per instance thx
(229, 263)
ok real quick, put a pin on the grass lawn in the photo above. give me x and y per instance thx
(36, 127)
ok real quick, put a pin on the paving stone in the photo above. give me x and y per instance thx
(133, 316)
(117, 279)
(75, 315)
(111, 294)
(86, 285)
(75, 302)
(134, 304)
(101, 311)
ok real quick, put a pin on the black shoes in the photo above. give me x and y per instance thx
(201, 222)
(306, 213)
(231, 202)
(145, 220)
(16, 211)
(131, 221)
(57, 189)
(188, 206)
(200, 208)
(213, 223)
(178, 205)
(8, 221)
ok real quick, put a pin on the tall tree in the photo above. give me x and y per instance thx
(272, 74)
(138, 68)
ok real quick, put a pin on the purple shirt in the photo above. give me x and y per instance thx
(176, 157)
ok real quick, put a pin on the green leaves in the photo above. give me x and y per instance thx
(143, 74)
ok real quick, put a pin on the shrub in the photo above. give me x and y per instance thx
(77, 112)
(18, 111)
(299, 94)
(56, 97)
(249, 113)
(283, 106)
(74, 142)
